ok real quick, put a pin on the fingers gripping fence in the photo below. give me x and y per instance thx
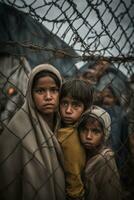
(74, 36)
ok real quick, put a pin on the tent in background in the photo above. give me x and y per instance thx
(21, 30)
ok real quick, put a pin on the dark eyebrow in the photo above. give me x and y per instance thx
(42, 87)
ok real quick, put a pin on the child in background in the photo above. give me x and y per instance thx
(111, 102)
(75, 97)
(101, 176)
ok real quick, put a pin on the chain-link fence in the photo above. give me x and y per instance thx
(92, 40)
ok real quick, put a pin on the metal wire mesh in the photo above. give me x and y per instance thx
(72, 35)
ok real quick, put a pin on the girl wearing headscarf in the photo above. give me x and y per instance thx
(101, 175)
(31, 159)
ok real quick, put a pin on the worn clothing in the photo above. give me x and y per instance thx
(119, 134)
(101, 177)
(74, 156)
(31, 159)
(130, 115)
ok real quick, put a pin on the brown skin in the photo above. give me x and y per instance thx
(46, 98)
(108, 98)
(70, 110)
(92, 135)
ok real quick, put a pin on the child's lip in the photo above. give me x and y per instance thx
(88, 144)
(48, 105)
(67, 118)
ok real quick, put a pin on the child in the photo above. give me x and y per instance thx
(111, 102)
(31, 157)
(100, 176)
(75, 98)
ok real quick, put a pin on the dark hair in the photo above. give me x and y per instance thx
(78, 90)
(46, 73)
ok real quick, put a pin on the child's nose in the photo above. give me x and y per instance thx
(48, 94)
(69, 109)
(89, 134)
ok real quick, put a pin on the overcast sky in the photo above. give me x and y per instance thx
(111, 27)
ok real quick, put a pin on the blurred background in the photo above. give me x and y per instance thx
(76, 36)
(91, 40)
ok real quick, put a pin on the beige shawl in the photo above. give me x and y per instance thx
(30, 156)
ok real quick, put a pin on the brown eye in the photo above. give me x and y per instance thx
(64, 103)
(96, 131)
(54, 90)
(38, 90)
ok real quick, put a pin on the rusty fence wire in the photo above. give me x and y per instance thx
(78, 38)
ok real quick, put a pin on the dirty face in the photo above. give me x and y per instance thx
(91, 135)
(70, 110)
(46, 95)
(108, 98)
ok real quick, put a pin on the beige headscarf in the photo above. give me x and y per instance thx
(101, 115)
(36, 70)
(31, 157)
